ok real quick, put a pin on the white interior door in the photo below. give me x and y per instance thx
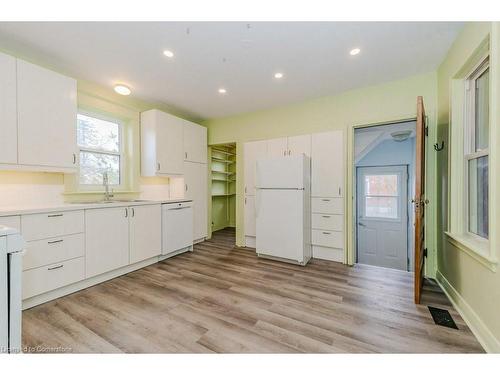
(252, 152)
(382, 216)
(250, 215)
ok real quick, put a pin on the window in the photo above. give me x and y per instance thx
(381, 196)
(477, 150)
(100, 143)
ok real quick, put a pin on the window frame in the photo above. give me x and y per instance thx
(399, 208)
(469, 150)
(120, 153)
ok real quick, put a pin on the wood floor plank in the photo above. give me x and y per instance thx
(221, 298)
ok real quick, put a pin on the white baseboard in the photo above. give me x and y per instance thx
(485, 337)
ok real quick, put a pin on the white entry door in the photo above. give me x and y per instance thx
(382, 216)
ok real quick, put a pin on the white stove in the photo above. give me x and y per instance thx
(11, 252)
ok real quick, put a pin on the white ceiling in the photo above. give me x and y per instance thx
(238, 56)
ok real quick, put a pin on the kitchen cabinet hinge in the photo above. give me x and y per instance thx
(425, 252)
(426, 131)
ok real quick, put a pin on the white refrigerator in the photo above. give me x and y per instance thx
(282, 208)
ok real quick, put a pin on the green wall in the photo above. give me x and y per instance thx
(376, 104)
(473, 287)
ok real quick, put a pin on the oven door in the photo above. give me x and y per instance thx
(15, 301)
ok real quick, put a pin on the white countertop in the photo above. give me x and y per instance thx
(32, 209)
(4, 231)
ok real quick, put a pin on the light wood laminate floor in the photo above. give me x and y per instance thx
(225, 299)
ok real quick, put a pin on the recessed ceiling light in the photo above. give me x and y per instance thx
(355, 51)
(122, 90)
(222, 91)
(168, 53)
(278, 75)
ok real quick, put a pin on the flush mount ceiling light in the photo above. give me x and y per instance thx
(278, 75)
(354, 51)
(222, 91)
(401, 136)
(168, 53)
(122, 89)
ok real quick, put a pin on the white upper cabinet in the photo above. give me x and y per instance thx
(195, 142)
(47, 108)
(145, 232)
(161, 144)
(252, 152)
(300, 144)
(195, 180)
(327, 159)
(277, 147)
(8, 110)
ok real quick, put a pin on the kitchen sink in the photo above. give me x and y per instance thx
(112, 201)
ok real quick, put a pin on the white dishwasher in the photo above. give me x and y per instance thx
(177, 228)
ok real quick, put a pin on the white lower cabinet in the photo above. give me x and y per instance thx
(145, 232)
(52, 250)
(44, 279)
(106, 239)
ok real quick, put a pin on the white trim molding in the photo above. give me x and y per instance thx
(485, 337)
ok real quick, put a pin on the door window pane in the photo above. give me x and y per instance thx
(382, 207)
(93, 165)
(481, 111)
(381, 185)
(478, 196)
(98, 134)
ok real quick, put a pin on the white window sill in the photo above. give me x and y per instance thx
(478, 250)
(80, 192)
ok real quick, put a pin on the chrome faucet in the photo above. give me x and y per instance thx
(105, 183)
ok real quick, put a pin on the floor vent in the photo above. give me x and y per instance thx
(442, 317)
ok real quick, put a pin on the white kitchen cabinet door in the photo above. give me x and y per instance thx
(252, 152)
(327, 162)
(195, 186)
(106, 239)
(145, 232)
(195, 142)
(162, 152)
(300, 144)
(8, 110)
(277, 147)
(250, 227)
(47, 109)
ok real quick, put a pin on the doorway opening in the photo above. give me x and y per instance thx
(384, 164)
(223, 188)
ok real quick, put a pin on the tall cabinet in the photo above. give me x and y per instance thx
(326, 151)
(174, 147)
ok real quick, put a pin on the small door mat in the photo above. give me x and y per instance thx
(442, 317)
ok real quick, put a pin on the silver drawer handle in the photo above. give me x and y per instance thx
(53, 242)
(326, 200)
(56, 267)
(178, 208)
(326, 216)
(55, 215)
(327, 233)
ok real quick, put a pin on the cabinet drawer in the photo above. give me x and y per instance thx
(328, 222)
(52, 224)
(43, 252)
(328, 238)
(327, 205)
(44, 279)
